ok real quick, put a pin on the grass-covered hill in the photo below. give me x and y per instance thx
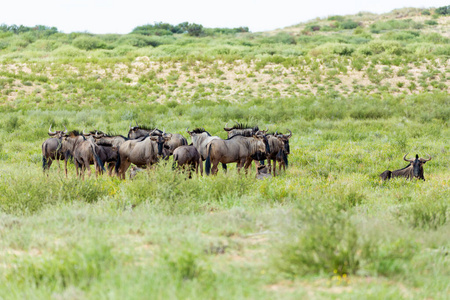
(401, 53)
(358, 93)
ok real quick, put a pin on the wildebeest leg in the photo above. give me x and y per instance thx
(215, 168)
(49, 163)
(247, 165)
(110, 168)
(123, 168)
(274, 167)
(200, 162)
(65, 166)
(88, 167)
(77, 165)
(240, 164)
(224, 167)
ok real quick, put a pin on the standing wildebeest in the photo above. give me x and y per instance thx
(188, 157)
(108, 154)
(109, 139)
(52, 149)
(242, 129)
(142, 153)
(200, 139)
(413, 170)
(175, 141)
(84, 152)
(279, 149)
(239, 149)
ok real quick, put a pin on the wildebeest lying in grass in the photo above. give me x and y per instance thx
(413, 170)
(263, 172)
(187, 157)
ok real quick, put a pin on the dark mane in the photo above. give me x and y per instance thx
(113, 134)
(199, 130)
(244, 126)
(75, 133)
(104, 144)
(95, 131)
(147, 127)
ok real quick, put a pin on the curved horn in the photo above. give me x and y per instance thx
(50, 130)
(424, 160)
(66, 129)
(267, 128)
(290, 134)
(405, 159)
(226, 128)
(137, 125)
(130, 125)
(187, 129)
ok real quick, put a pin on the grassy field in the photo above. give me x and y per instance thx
(358, 93)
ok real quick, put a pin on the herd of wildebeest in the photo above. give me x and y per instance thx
(145, 146)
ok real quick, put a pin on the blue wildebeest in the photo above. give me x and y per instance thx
(242, 129)
(175, 141)
(238, 149)
(142, 152)
(200, 138)
(187, 157)
(52, 149)
(84, 152)
(413, 170)
(279, 150)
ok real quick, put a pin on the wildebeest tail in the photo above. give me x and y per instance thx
(117, 166)
(208, 160)
(285, 158)
(97, 158)
(99, 162)
(44, 160)
(175, 160)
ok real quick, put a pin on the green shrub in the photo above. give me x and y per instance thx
(326, 244)
(430, 22)
(348, 24)
(76, 266)
(425, 214)
(68, 51)
(443, 10)
(88, 43)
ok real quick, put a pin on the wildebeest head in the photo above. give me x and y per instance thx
(58, 133)
(261, 146)
(417, 164)
(242, 129)
(138, 131)
(285, 139)
(161, 139)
